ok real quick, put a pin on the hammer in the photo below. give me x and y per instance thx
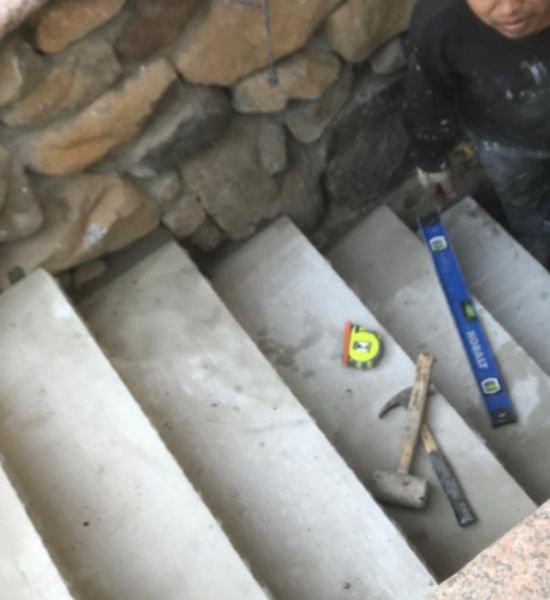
(443, 470)
(401, 488)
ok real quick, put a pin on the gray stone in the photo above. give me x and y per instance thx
(162, 188)
(22, 214)
(5, 163)
(368, 144)
(390, 58)
(208, 237)
(229, 181)
(272, 146)
(301, 196)
(184, 217)
(20, 66)
(185, 122)
(307, 121)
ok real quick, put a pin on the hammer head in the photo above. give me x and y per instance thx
(397, 489)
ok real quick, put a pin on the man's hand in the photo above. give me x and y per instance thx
(437, 183)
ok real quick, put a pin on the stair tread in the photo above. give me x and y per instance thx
(392, 272)
(512, 284)
(295, 306)
(113, 505)
(290, 504)
(27, 571)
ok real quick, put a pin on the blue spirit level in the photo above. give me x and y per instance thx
(472, 334)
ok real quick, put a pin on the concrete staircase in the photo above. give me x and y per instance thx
(210, 444)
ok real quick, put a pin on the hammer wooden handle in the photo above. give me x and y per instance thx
(415, 411)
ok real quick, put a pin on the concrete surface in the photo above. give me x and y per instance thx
(114, 507)
(288, 501)
(27, 571)
(515, 568)
(392, 272)
(511, 284)
(295, 306)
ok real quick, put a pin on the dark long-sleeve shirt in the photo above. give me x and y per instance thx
(464, 71)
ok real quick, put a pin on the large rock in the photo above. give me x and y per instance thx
(229, 181)
(20, 66)
(368, 145)
(185, 122)
(227, 40)
(301, 196)
(272, 146)
(307, 121)
(5, 164)
(109, 121)
(21, 214)
(63, 22)
(155, 24)
(304, 76)
(85, 216)
(359, 27)
(74, 79)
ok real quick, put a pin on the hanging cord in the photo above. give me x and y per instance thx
(273, 76)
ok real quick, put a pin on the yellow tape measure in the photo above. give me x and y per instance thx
(363, 349)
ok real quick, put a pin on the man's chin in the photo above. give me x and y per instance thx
(516, 30)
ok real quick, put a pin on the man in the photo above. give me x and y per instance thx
(485, 65)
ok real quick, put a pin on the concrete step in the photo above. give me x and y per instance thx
(27, 571)
(290, 504)
(113, 505)
(295, 306)
(392, 272)
(513, 286)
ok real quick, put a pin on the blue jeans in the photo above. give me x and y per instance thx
(522, 181)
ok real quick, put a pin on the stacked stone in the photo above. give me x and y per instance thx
(117, 115)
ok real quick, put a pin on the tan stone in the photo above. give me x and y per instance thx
(14, 12)
(184, 217)
(19, 66)
(63, 22)
(109, 121)
(85, 217)
(155, 24)
(359, 27)
(227, 40)
(303, 76)
(80, 76)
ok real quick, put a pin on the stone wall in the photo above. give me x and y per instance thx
(119, 115)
